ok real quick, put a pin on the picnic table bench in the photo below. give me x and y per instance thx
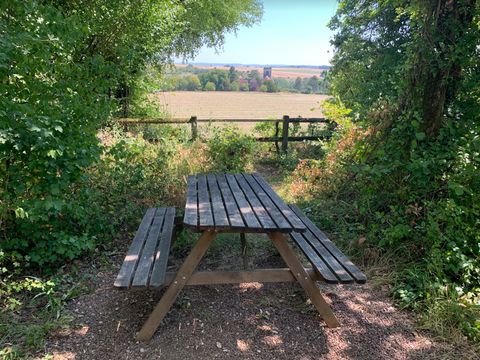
(232, 203)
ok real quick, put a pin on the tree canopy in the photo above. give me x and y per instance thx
(408, 75)
(63, 65)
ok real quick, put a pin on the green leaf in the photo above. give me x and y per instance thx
(420, 136)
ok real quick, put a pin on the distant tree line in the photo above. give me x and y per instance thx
(195, 79)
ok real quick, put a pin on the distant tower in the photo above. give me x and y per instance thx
(267, 72)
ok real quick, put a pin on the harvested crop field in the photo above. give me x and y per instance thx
(239, 105)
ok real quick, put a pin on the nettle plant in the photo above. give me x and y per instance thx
(52, 101)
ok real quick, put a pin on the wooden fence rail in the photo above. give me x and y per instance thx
(285, 121)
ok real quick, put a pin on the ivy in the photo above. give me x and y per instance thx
(409, 72)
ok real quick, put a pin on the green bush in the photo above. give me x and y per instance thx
(209, 86)
(159, 133)
(51, 111)
(231, 150)
(426, 209)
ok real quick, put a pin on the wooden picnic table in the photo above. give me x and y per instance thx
(239, 203)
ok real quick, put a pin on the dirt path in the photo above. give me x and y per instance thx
(248, 321)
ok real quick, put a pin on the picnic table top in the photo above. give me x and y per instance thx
(237, 203)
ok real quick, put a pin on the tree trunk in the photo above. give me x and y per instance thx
(451, 21)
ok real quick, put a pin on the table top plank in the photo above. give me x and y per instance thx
(237, 203)
(262, 215)
(219, 212)
(205, 213)
(191, 207)
(273, 211)
(233, 211)
(245, 208)
(292, 218)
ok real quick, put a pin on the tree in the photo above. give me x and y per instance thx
(218, 76)
(234, 86)
(52, 107)
(132, 34)
(243, 87)
(312, 83)
(193, 83)
(424, 79)
(410, 74)
(298, 84)
(254, 75)
(209, 86)
(253, 85)
(233, 74)
(62, 64)
(284, 84)
(270, 85)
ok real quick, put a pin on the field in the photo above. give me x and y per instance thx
(277, 72)
(239, 105)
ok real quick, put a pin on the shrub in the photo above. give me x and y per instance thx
(234, 86)
(163, 132)
(51, 111)
(133, 174)
(209, 86)
(231, 150)
(425, 208)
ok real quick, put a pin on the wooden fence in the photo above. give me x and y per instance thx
(284, 138)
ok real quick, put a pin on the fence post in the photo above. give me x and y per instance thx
(193, 122)
(277, 148)
(286, 121)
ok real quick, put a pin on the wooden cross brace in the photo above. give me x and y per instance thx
(187, 276)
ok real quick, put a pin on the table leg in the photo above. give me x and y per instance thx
(243, 245)
(280, 242)
(182, 277)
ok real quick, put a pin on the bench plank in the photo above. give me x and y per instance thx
(331, 262)
(316, 261)
(145, 264)
(332, 248)
(157, 277)
(126, 272)
(262, 214)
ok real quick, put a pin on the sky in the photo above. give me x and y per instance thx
(291, 32)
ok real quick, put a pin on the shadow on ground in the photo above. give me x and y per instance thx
(248, 321)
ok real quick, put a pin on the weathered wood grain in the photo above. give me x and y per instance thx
(338, 262)
(157, 277)
(292, 218)
(218, 206)
(125, 275)
(191, 206)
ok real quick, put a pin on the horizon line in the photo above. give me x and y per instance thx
(250, 64)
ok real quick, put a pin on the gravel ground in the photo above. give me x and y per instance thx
(247, 321)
